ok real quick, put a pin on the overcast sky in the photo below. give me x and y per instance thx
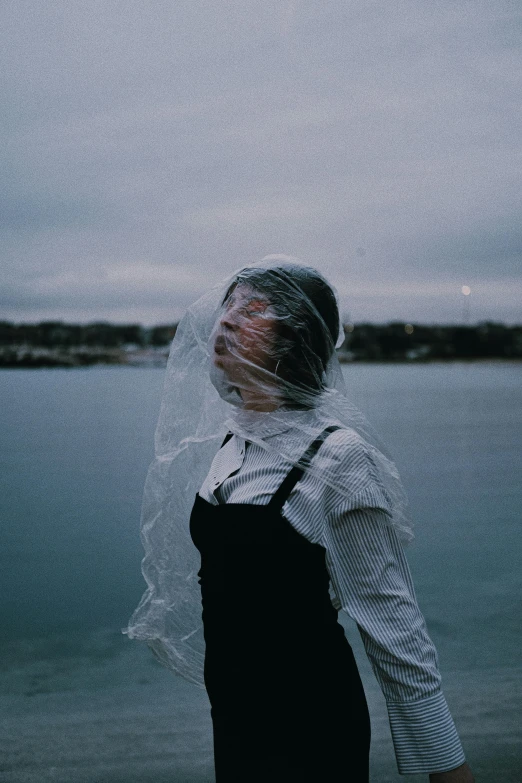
(150, 148)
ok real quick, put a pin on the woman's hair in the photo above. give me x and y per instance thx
(308, 323)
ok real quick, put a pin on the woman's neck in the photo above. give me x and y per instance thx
(254, 401)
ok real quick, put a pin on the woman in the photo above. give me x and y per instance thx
(299, 515)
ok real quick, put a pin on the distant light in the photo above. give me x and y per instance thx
(466, 290)
(408, 328)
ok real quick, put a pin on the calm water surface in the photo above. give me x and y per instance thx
(75, 449)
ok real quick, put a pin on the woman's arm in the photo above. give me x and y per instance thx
(372, 581)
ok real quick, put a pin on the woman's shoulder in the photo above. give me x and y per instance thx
(346, 461)
(345, 446)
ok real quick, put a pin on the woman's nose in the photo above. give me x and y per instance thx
(229, 319)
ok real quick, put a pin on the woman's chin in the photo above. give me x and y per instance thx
(226, 367)
(219, 361)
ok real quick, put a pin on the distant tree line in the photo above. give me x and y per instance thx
(390, 342)
(54, 334)
(399, 342)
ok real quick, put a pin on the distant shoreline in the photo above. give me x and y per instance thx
(59, 359)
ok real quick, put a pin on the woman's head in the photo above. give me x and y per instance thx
(277, 331)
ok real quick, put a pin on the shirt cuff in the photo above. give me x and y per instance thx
(424, 736)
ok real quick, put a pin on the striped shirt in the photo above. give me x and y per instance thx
(370, 581)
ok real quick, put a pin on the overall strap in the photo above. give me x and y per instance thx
(282, 493)
(227, 438)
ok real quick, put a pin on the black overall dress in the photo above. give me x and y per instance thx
(286, 698)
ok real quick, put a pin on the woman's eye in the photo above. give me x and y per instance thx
(248, 308)
(255, 307)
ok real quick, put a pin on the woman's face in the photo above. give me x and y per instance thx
(244, 337)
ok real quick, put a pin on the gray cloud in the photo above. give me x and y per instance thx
(150, 150)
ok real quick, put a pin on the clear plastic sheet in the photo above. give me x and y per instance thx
(254, 355)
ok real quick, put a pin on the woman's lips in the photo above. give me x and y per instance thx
(221, 352)
(220, 346)
(225, 349)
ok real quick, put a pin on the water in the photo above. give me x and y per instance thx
(75, 449)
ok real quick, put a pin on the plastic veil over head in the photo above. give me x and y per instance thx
(254, 356)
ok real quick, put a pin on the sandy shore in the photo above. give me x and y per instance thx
(111, 714)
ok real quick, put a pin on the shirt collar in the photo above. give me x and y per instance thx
(265, 424)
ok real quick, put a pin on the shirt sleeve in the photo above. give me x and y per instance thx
(372, 582)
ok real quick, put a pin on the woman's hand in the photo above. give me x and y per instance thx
(462, 774)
